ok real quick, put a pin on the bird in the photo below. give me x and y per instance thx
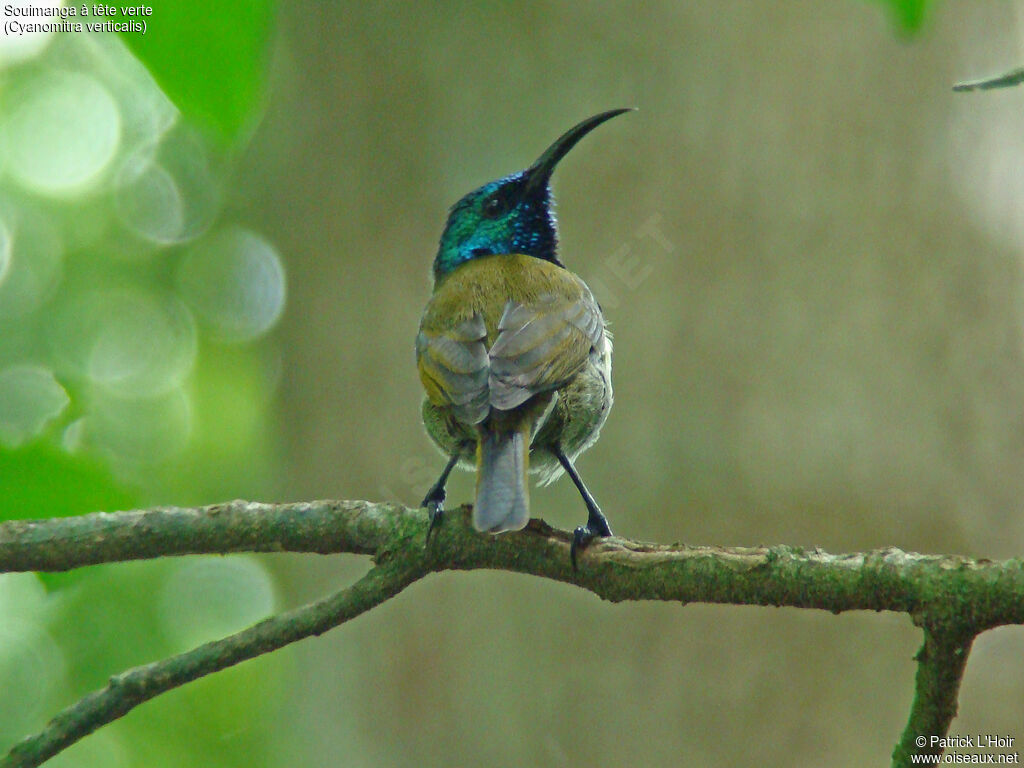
(513, 351)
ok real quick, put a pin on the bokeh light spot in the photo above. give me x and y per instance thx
(22, 47)
(144, 348)
(134, 431)
(165, 191)
(31, 663)
(34, 257)
(63, 132)
(130, 342)
(148, 200)
(234, 281)
(207, 599)
(5, 250)
(30, 397)
(23, 595)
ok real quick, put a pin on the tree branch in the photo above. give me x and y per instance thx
(957, 594)
(953, 598)
(63, 543)
(1005, 80)
(127, 690)
(940, 667)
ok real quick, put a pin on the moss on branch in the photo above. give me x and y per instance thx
(952, 598)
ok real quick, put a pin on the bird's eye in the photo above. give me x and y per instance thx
(493, 206)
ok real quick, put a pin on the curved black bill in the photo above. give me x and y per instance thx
(540, 171)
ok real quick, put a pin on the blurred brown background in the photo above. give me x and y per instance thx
(809, 250)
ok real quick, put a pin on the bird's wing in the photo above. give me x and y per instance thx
(541, 344)
(454, 367)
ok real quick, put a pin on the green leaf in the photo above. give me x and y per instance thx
(907, 15)
(209, 58)
(43, 481)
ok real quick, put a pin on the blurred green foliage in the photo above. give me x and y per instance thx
(210, 59)
(907, 16)
(137, 366)
(41, 480)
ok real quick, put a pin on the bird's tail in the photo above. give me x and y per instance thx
(502, 499)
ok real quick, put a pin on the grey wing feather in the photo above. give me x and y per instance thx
(456, 360)
(540, 346)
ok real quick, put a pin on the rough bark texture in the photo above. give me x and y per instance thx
(951, 597)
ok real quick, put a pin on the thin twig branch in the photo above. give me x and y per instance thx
(940, 667)
(127, 690)
(1006, 80)
(954, 598)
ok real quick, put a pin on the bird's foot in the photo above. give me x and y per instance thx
(596, 528)
(597, 524)
(434, 502)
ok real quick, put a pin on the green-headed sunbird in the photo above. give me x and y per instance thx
(512, 350)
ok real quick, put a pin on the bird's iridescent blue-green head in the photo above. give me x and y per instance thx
(513, 214)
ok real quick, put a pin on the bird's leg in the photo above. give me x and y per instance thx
(597, 523)
(434, 500)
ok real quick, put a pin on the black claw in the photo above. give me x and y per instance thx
(584, 534)
(435, 514)
(580, 538)
(434, 500)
